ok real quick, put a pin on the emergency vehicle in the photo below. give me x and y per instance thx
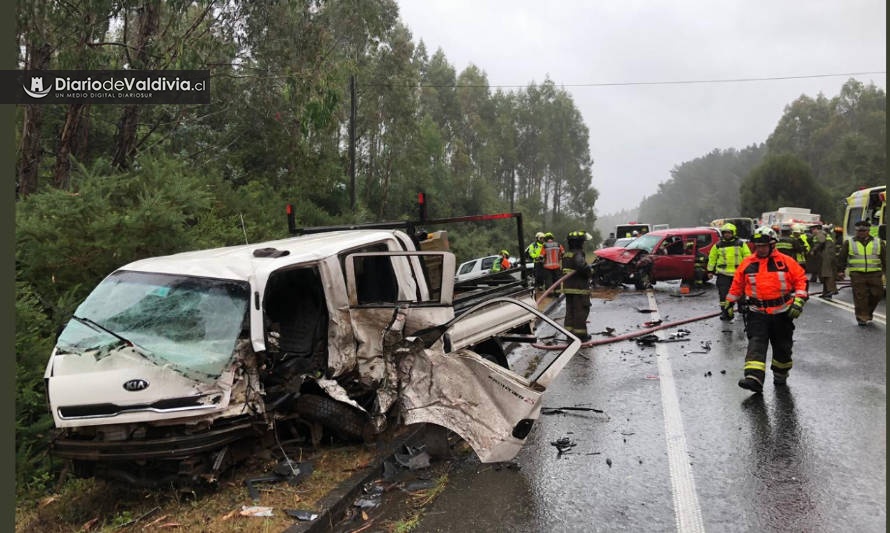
(790, 216)
(866, 204)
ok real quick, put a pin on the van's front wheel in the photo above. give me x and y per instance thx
(344, 421)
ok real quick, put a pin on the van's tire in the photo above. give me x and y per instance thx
(344, 421)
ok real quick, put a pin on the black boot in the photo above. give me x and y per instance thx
(752, 384)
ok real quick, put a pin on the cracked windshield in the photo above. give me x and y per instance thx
(191, 323)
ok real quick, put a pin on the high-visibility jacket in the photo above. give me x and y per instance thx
(501, 264)
(535, 251)
(769, 284)
(552, 255)
(791, 246)
(726, 256)
(865, 257)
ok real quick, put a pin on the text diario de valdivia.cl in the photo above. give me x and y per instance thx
(128, 84)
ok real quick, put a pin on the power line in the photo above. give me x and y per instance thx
(631, 83)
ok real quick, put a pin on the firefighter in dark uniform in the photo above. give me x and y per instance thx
(700, 265)
(790, 246)
(774, 286)
(576, 287)
(866, 257)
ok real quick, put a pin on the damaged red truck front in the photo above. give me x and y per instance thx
(176, 367)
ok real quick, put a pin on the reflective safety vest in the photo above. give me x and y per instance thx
(805, 248)
(551, 255)
(865, 257)
(770, 284)
(536, 251)
(726, 256)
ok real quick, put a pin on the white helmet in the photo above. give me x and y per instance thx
(765, 235)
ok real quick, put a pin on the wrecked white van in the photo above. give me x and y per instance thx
(173, 363)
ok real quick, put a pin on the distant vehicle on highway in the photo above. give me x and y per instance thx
(476, 268)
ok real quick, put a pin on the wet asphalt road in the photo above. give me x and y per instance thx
(679, 446)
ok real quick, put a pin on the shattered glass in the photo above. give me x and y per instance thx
(186, 322)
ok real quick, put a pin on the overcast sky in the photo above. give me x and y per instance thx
(638, 133)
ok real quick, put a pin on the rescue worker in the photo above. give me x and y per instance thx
(797, 231)
(535, 253)
(724, 259)
(610, 240)
(788, 245)
(503, 263)
(814, 258)
(701, 275)
(865, 256)
(826, 269)
(775, 288)
(552, 259)
(576, 287)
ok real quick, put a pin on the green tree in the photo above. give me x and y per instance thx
(782, 181)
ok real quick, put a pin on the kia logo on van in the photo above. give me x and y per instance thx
(136, 385)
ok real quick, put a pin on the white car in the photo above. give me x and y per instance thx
(475, 268)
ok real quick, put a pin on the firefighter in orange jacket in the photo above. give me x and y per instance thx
(552, 253)
(775, 288)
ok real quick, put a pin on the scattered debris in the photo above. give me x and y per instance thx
(413, 458)
(305, 516)
(705, 348)
(645, 310)
(368, 502)
(562, 410)
(563, 444)
(608, 332)
(609, 462)
(255, 510)
(651, 338)
(708, 374)
(288, 470)
(679, 334)
(652, 323)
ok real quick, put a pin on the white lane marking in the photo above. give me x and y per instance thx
(687, 511)
(879, 318)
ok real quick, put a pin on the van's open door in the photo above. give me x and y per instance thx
(489, 406)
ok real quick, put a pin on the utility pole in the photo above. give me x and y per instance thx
(352, 142)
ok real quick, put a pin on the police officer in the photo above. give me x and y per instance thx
(865, 256)
(775, 288)
(610, 240)
(723, 259)
(576, 287)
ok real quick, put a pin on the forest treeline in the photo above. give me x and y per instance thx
(821, 150)
(99, 185)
